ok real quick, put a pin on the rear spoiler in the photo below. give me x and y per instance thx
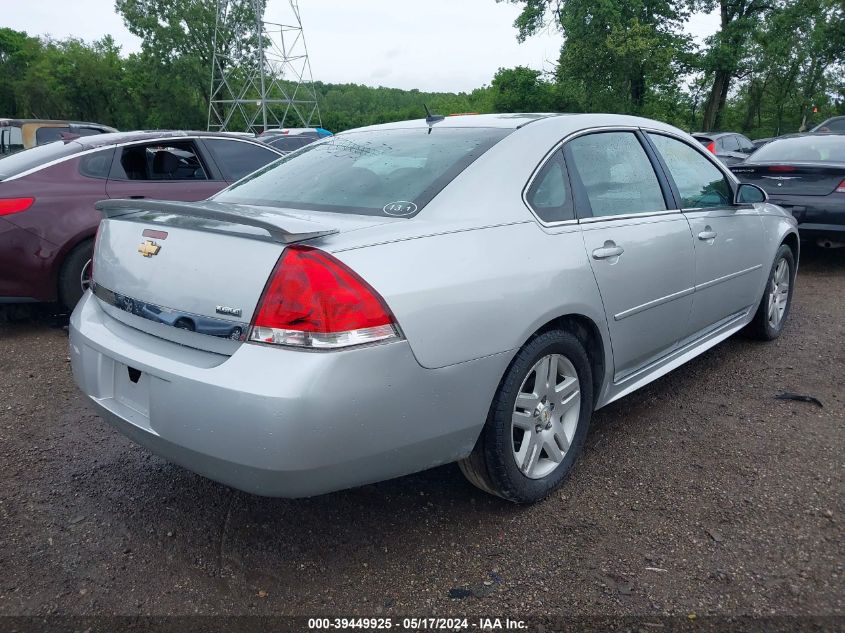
(281, 227)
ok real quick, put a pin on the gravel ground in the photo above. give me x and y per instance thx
(698, 494)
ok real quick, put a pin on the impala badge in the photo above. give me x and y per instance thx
(148, 248)
(236, 312)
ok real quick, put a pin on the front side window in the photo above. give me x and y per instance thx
(548, 194)
(700, 183)
(159, 161)
(377, 172)
(616, 173)
(236, 159)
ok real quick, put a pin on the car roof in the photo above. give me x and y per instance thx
(715, 134)
(117, 138)
(8, 121)
(560, 122)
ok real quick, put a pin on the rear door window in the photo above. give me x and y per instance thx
(616, 174)
(700, 183)
(236, 159)
(162, 160)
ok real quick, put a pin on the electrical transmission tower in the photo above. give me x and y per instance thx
(260, 75)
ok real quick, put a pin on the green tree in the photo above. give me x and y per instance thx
(616, 55)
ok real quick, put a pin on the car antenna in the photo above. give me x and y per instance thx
(431, 119)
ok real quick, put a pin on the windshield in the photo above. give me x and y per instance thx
(22, 161)
(376, 172)
(802, 149)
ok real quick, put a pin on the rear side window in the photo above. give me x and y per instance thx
(35, 157)
(549, 195)
(159, 161)
(236, 159)
(96, 164)
(393, 172)
(700, 183)
(616, 173)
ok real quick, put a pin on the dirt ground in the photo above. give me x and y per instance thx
(700, 494)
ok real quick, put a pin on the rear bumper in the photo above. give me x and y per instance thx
(281, 422)
(817, 216)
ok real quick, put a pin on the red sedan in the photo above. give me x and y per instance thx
(47, 196)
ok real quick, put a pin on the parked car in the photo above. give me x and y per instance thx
(20, 134)
(729, 147)
(47, 196)
(291, 139)
(834, 124)
(424, 292)
(806, 176)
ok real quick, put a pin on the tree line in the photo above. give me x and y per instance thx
(774, 66)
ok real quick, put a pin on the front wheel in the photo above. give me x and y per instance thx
(537, 422)
(771, 314)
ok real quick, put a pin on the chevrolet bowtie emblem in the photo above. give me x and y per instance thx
(148, 248)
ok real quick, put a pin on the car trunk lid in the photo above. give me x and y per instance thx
(794, 179)
(193, 273)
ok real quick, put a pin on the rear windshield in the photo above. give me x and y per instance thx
(376, 172)
(704, 140)
(802, 149)
(22, 161)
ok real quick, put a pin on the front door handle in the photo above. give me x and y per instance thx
(137, 197)
(707, 234)
(610, 249)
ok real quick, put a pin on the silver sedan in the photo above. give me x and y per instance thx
(396, 297)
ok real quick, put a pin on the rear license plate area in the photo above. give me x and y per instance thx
(132, 388)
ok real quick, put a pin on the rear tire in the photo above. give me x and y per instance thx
(770, 318)
(552, 420)
(75, 268)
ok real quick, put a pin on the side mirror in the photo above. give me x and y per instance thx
(748, 193)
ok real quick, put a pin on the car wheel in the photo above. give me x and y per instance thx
(75, 275)
(773, 310)
(537, 422)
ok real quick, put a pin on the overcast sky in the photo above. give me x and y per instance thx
(436, 45)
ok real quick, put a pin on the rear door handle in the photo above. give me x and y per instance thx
(707, 234)
(137, 197)
(610, 249)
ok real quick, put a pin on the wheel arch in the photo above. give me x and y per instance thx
(792, 241)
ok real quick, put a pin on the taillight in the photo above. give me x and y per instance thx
(94, 251)
(841, 187)
(781, 168)
(8, 206)
(711, 147)
(313, 300)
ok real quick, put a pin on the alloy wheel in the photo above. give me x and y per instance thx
(545, 416)
(778, 296)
